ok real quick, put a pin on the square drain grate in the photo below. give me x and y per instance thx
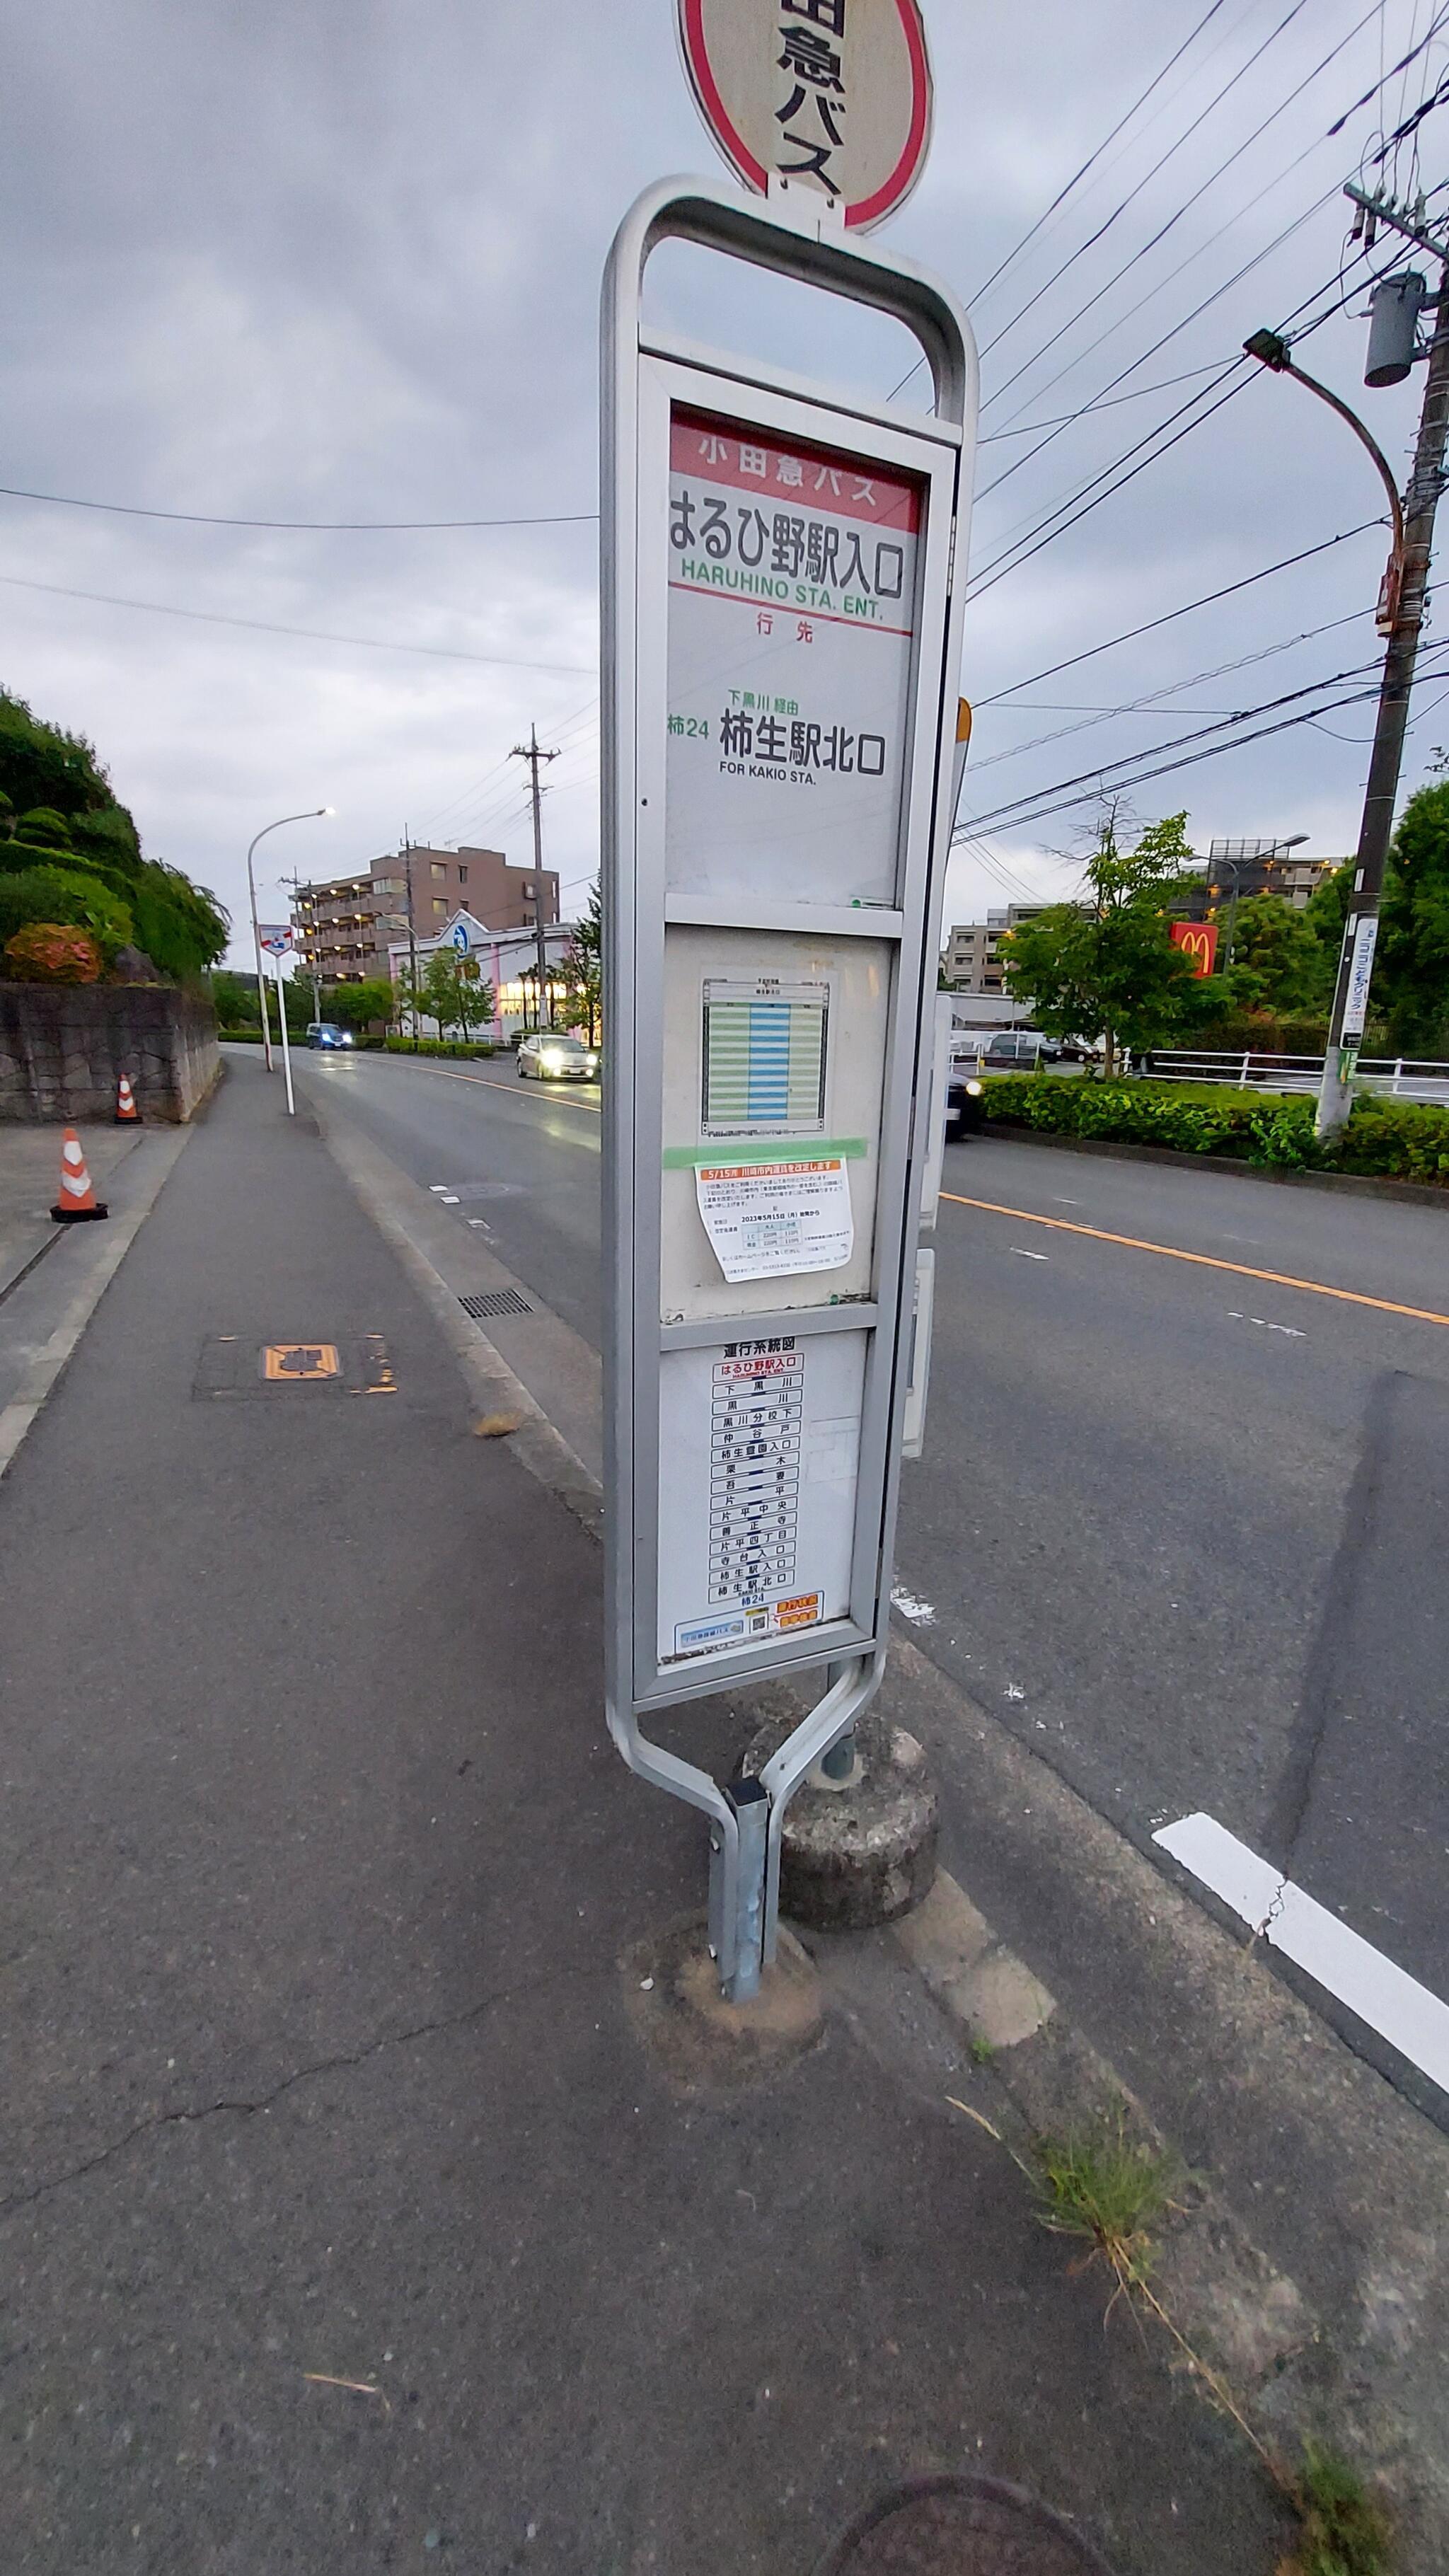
(498, 1301)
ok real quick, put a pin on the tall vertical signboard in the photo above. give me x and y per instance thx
(781, 646)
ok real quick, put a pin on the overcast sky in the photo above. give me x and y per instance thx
(341, 262)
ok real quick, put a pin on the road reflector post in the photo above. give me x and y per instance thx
(782, 628)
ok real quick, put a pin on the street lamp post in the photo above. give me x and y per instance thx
(1394, 348)
(314, 814)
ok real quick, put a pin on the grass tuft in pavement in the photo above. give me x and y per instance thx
(1109, 2189)
(1344, 2531)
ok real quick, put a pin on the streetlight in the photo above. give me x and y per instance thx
(1394, 349)
(314, 814)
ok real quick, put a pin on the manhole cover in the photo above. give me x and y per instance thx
(961, 2526)
(498, 1301)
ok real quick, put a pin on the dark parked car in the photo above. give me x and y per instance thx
(965, 1115)
(1012, 1050)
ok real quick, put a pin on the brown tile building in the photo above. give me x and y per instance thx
(345, 924)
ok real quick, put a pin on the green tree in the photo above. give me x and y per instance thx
(1107, 966)
(41, 765)
(438, 989)
(1328, 911)
(408, 989)
(584, 964)
(352, 1006)
(1279, 963)
(1411, 973)
(475, 997)
(234, 999)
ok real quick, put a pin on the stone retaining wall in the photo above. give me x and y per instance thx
(64, 1046)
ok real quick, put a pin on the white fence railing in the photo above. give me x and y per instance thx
(1404, 1077)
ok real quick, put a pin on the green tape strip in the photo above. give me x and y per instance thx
(754, 1149)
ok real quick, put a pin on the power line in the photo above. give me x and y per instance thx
(310, 634)
(1019, 547)
(1139, 706)
(1045, 534)
(1209, 599)
(1245, 715)
(1176, 216)
(310, 527)
(1094, 157)
(1121, 786)
(479, 785)
(1077, 176)
(1084, 411)
(1094, 782)
(1383, 81)
(1024, 529)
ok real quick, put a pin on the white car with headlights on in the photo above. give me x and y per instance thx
(551, 1056)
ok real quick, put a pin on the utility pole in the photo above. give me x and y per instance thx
(530, 752)
(1355, 965)
(1395, 307)
(407, 855)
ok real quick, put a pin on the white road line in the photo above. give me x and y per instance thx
(911, 1607)
(1235, 1316)
(489, 1082)
(1382, 1994)
(1023, 1255)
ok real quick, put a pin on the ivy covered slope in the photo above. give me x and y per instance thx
(1390, 1139)
(70, 855)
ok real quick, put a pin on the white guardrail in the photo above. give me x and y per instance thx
(1403, 1077)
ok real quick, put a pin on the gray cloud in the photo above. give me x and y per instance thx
(344, 262)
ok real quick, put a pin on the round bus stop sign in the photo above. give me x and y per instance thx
(833, 95)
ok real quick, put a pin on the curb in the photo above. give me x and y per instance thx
(1360, 1185)
(1251, 2319)
(106, 1256)
(506, 1408)
(1356, 2369)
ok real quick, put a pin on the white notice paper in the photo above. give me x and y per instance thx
(770, 1220)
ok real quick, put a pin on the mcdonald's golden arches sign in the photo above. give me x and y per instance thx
(1200, 940)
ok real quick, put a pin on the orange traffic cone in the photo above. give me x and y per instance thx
(127, 1113)
(77, 1198)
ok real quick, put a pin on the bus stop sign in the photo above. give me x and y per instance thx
(833, 96)
(781, 639)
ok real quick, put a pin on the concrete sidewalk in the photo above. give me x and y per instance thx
(347, 2216)
(30, 1185)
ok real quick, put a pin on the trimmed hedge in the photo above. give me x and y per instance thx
(1391, 1139)
(251, 1036)
(49, 892)
(440, 1046)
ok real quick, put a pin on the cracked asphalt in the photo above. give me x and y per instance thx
(343, 2222)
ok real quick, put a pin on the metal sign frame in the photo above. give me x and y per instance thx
(644, 375)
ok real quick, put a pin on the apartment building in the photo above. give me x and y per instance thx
(345, 925)
(971, 958)
(1234, 870)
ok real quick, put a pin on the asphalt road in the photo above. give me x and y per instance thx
(1181, 1526)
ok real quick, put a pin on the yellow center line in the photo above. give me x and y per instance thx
(1204, 1260)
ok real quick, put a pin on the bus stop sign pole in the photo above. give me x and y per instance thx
(781, 577)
